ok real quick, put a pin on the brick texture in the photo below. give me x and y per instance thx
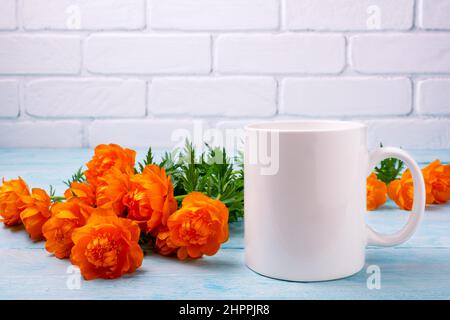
(8, 15)
(433, 97)
(9, 98)
(234, 96)
(85, 98)
(75, 73)
(39, 54)
(214, 14)
(360, 15)
(142, 54)
(346, 96)
(401, 53)
(287, 53)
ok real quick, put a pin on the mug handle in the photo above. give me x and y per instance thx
(387, 240)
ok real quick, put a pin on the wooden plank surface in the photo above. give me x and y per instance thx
(418, 269)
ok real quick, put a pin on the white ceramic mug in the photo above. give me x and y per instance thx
(305, 199)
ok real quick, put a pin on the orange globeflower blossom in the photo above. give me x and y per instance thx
(438, 176)
(85, 192)
(112, 189)
(376, 192)
(151, 198)
(107, 157)
(11, 202)
(107, 246)
(401, 191)
(66, 217)
(36, 212)
(146, 198)
(198, 227)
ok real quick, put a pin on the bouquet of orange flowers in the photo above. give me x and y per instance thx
(180, 206)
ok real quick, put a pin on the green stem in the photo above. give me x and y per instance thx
(180, 197)
(57, 198)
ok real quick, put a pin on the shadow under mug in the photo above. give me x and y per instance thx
(305, 199)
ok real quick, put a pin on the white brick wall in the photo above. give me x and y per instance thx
(140, 133)
(39, 54)
(234, 96)
(282, 53)
(61, 134)
(433, 97)
(85, 98)
(410, 133)
(7, 15)
(401, 53)
(9, 98)
(76, 73)
(348, 14)
(214, 14)
(147, 54)
(83, 14)
(434, 14)
(353, 96)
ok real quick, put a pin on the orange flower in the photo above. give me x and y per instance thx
(376, 192)
(198, 227)
(151, 198)
(85, 192)
(36, 212)
(438, 176)
(66, 217)
(401, 191)
(107, 157)
(107, 247)
(146, 198)
(112, 189)
(11, 203)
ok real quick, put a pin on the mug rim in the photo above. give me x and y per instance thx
(296, 126)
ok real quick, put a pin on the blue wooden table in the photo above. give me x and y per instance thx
(418, 269)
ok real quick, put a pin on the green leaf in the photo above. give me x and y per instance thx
(51, 191)
(53, 197)
(389, 169)
(211, 172)
(148, 160)
(76, 177)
